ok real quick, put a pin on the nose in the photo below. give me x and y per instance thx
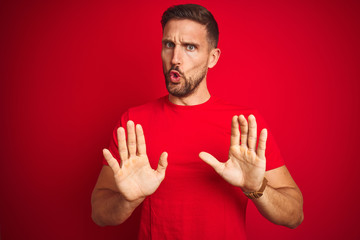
(176, 57)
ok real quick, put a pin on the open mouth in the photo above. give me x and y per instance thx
(174, 76)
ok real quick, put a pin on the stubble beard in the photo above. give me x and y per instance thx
(189, 85)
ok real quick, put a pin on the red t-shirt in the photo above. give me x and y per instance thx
(193, 201)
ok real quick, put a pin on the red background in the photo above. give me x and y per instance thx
(70, 68)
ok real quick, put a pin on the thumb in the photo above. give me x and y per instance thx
(212, 161)
(113, 163)
(162, 164)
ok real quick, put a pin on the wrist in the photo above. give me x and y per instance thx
(131, 202)
(258, 193)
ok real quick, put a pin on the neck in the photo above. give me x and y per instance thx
(199, 96)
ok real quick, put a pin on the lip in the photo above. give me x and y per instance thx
(174, 71)
(175, 76)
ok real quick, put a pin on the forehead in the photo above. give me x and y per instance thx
(185, 30)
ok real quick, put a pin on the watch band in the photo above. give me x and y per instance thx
(259, 193)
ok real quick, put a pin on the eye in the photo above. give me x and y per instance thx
(190, 47)
(169, 45)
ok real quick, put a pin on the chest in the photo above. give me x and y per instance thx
(183, 137)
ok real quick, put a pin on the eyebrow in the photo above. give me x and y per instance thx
(165, 41)
(183, 43)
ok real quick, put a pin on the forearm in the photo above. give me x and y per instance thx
(282, 206)
(110, 208)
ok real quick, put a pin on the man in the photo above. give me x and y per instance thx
(192, 201)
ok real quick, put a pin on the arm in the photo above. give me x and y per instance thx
(109, 207)
(120, 189)
(282, 201)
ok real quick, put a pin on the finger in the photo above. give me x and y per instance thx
(140, 140)
(243, 130)
(213, 162)
(113, 163)
(235, 133)
(123, 151)
(131, 138)
(262, 144)
(162, 165)
(252, 133)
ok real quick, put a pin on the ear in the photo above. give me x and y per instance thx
(214, 57)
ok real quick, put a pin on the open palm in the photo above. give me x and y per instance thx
(246, 165)
(135, 178)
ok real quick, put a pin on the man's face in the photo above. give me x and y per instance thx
(185, 56)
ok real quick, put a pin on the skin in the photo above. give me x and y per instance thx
(120, 189)
(185, 46)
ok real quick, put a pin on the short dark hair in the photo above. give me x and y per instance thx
(196, 13)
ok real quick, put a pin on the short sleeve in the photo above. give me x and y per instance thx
(113, 146)
(272, 152)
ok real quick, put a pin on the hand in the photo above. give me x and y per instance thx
(135, 178)
(245, 167)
